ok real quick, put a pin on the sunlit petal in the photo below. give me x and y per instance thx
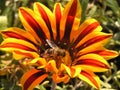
(51, 66)
(20, 54)
(94, 42)
(72, 71)
(60, 78)
(107, 54)
(40, 62)
(70, 19)
(92, 62)
(58, 14)
(90, 78)
(11, 44)
(87, 27)
(47, 16)
(18, 33)
(31, 24)
(32, 78)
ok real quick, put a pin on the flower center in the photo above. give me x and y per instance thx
(58, 54)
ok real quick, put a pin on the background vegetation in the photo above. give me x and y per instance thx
(107, 12)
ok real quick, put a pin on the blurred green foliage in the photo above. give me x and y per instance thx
(107, 12)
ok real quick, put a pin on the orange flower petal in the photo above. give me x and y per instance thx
(51, 66)
(90, 78)
(107, 54)
(39, 62)
(32, 78)
(18, 34)
(92, 62)
(58, 14)
(11, 44)
(94, 42)
(72, 71)
(47, 16)
(31, 24)
(60, 78)
(87, 27)
(70, 19)
(20, 54)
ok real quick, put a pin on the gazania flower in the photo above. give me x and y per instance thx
(58, 45)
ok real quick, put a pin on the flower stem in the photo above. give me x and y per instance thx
(53, 85)
(77, 84)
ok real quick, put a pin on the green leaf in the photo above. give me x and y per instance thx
(2, 6)
(3, 22)
(114, 6)
(92, 11)
(119, 21)
(40, 87)
(1, 39)
(84, 4)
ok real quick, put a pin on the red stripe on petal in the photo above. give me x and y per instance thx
(35, 26)
(86, 31)
(18, 46)
(90, 77)
(15, 35)
(91, 62)
(93, 41)
(46, 19)
(58, 15)
(73, 8)
(32, 78)
(70, 21)
(105, 53)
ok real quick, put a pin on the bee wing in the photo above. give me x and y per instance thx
(51, 44)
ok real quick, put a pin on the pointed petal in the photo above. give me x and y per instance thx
(72, 71)
(88, 37)
(74, 28)
(87, 27)
(32, 78)
(107, 54)
(47, 16)
(70, 19)
(31, 24)
(20, 54)
(18, 33)
(51, 66)
(39, 62)
(60, 78)
(92, 62)
(97, 40)
(90, 78)
(58, 14)
(11, 44)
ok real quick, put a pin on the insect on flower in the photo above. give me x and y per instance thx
(54, 51)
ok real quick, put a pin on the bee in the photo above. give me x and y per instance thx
(54, 51)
